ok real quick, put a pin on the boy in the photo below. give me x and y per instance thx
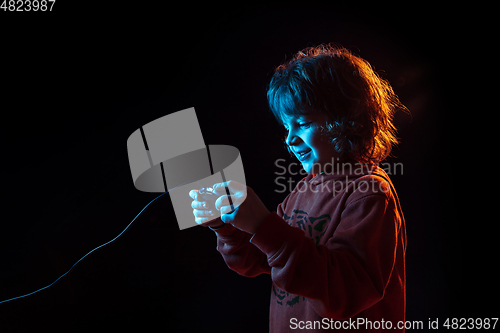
(335, 247)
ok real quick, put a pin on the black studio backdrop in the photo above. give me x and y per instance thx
(76, 82)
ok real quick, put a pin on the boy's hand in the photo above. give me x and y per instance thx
(203, 213)
(249, 211)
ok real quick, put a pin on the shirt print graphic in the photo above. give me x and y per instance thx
(315, 228)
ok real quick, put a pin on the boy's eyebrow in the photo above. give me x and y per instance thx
(304, 118)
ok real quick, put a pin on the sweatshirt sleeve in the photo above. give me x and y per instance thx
(239, 254)
(346, 275)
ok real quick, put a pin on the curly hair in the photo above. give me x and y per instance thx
(358, 103)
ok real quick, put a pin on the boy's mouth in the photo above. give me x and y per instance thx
(303, 154)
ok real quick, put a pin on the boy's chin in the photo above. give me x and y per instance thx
(306, 167)
(315, 168)
(311, 168)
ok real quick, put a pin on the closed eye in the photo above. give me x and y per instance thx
(303, 125)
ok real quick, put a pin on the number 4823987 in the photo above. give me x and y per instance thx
(27, 5)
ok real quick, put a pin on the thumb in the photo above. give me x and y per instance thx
(229, 218)
(233, 186)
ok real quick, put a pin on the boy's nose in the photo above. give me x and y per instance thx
(291, 139)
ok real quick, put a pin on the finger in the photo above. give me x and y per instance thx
(223, 200)
(220, 187)
(232, 185)
(234, 200)
(205, 213)
(202, 220)
(206, 220)
(193, 194)
(228, 218)
(224, 210)
(199, 204)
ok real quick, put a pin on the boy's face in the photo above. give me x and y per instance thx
(307, 143)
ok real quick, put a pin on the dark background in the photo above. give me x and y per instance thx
(76, 82)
